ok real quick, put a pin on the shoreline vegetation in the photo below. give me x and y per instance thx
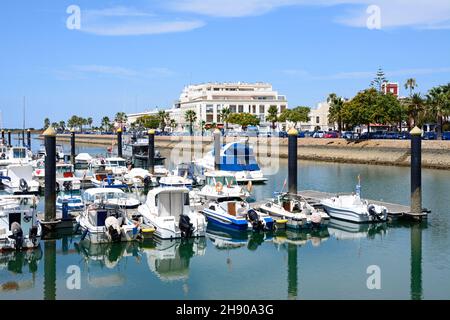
(435, 153)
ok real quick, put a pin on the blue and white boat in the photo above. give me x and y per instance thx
(235, 213)
(74, 199)
(238, 159)
(175, 181)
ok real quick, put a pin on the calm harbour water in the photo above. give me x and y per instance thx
(414, 259)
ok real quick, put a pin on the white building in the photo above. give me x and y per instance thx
(208, 99)
(318, 119)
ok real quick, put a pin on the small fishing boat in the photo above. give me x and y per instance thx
(74, 201)
(15, 155)
(168, 211)
(352, 208)
(59, 151)
(220, 184)
(296, 210)
(139, 178)
(237, 159)
(112, 198)
(108, 180)
(235, 213)
(175, 181)
(118, 166)
(65, 177)
(101, 225)
(19, 226)
(19, 179)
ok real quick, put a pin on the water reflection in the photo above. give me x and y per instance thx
(416, 261)
(20, 263)
(170, 259)
(343, 230)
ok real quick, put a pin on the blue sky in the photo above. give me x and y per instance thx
(134, 55)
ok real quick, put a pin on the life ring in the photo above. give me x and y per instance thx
(219, 186)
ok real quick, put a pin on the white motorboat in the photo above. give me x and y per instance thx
(139, 178)
(74, 201)
(346, 230)
(235, 213)
(15, 155)
(221, 184)
(352, 208)
(111, 198)
(19, 226)
(102, 225)
(59, 151)
(297, 211)
(118, 166)
(19, 179)
(175, 181)
(168, 211)
(236, 158)
(108, 180)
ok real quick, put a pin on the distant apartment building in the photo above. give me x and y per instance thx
(391, 87)
(208, 99)
(318, 119)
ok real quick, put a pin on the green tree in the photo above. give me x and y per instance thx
(190, 116)
(89, 122)
(360, 109)
(62, 125)
(410, 84)
(164, 119)
(415, 107)
(379, 79)
(202, 126)
(46, 123)
(173, 124)
(106, 123)
(121, 118)
(224, 115)
(244, 119)
(272, 116)
(298, 114)
(148, 122)
(336, 103)
(55, 125)
(438, 105)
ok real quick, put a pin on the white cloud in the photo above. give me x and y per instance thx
(431, 14)
(126, 21)
(79, 72)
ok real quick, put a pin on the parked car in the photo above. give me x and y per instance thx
(404, 135)
(350, 135)
(390, 135)
(429, 135)
(446, 135)
(301, 134)
(318, 134)
(331, 134)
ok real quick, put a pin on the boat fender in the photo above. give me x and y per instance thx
(316, 218)
(113, 229)
(23, 185)
(17, 235)
(219, 187)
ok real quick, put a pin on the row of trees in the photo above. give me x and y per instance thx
(372, 105)
(76, 122)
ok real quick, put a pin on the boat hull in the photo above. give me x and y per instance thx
(224, 221)
(349, 215)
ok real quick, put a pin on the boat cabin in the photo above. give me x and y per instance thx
(169, 202)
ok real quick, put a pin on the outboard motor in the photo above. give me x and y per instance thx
(147, 181)
(33, 234)
(372, 212)
(23, 185)
(17, 235)
(186, 227)
(254, 219)
(67, 185)
(113, 229)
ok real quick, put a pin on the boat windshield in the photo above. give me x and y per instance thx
(224, 199)
(63, 169)
(224, 180)
(19, 153)
(116, 163)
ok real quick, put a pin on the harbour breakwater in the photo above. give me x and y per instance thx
(435, 154)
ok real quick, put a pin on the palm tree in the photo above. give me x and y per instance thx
(89, 122)
(62, 125)
(224, 115)
(438, 105)
(121, 118)
(173, 124)
(272, 116)
(410, 84)
(46, 123)
(335, 114)
(164, 118)
(190, 116)
(106, 123)
(415, 106)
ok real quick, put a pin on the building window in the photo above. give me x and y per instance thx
(317, 119)
(209, 108)
(253, 108)
(241, 108)
(261, 108)
(209, 118)
(282, 108)
(233, 108)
